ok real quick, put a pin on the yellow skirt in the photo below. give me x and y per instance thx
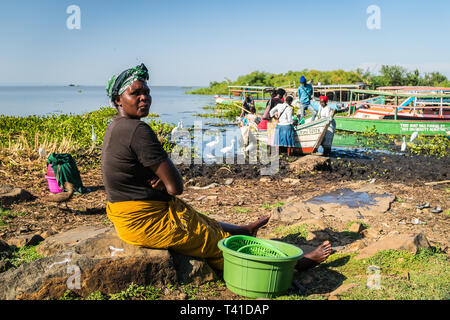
(171, 225)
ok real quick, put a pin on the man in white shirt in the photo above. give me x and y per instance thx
(324, 109)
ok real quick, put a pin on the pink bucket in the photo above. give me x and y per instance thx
(52, 182)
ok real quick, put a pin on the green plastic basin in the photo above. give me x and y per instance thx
(258, 267)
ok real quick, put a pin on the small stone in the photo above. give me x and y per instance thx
(201, 198)
(370, 233)
(264, 179)
(47, 234)
(228, 181)
(25, 240)
(356, 227)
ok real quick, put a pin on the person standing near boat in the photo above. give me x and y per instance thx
(272, 122)
(284, 131)
(325, 112)
(249, 105)
(324, 108)
(305, 94)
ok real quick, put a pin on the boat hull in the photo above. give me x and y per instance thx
(388, 126)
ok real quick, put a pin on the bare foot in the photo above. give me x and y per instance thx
(253, 228)
(312, 259)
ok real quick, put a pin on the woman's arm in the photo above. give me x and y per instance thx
(169, 176)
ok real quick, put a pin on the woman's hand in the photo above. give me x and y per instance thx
(169, 176)
(157, 184)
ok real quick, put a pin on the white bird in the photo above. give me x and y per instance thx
(251, 146)
(177, 128)
(93, 136)
(213, 143)
(403, 147)
(229, 148)
(414, 136)
(42, 153)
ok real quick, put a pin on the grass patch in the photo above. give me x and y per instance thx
(365, 225)
(293, 233)
(403, 276)
(268, 206)
(23, 255)
(241, 210)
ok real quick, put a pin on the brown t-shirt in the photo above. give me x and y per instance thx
(130, 147)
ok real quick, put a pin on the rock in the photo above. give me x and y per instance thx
(47, 234)
(370, 201)
(292, 212)
(103, 261)
(228, 181)
(356, 227)
(50, 277)
(10, 194)
(25, 240)
(355, 246)
(410, 242)
(5, 265)
(371, 233)
(309, 163)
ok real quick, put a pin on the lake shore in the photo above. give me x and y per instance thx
(239, 194)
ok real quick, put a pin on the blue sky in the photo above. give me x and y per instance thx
(193, 42)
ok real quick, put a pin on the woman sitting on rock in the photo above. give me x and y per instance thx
(142, 183)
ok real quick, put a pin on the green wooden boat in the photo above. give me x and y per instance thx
(428, 114)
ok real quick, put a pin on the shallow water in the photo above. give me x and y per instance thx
(347, 197)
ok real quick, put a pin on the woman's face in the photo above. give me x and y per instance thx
(135, 102)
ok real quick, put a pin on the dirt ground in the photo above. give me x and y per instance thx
(248, 196)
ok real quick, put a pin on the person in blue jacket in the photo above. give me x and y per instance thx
(305, 94)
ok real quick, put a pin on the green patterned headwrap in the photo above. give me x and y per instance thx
(120, 82)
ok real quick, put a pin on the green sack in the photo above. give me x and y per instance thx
(65, 170)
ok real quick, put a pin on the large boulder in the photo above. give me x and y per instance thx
(344, 204)
(88, 259)
(310, 163)
(10, 194)
(407, 241)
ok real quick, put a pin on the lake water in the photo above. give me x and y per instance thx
(170, 102)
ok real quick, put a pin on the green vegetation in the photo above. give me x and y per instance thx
(140, 292)
(388, 76)
(293, 233)
(6, 216)
(21, 137)
(25, 254)
(268, 206)
(241, 210)
(221, 110)
(403, 276)
(438, 145)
